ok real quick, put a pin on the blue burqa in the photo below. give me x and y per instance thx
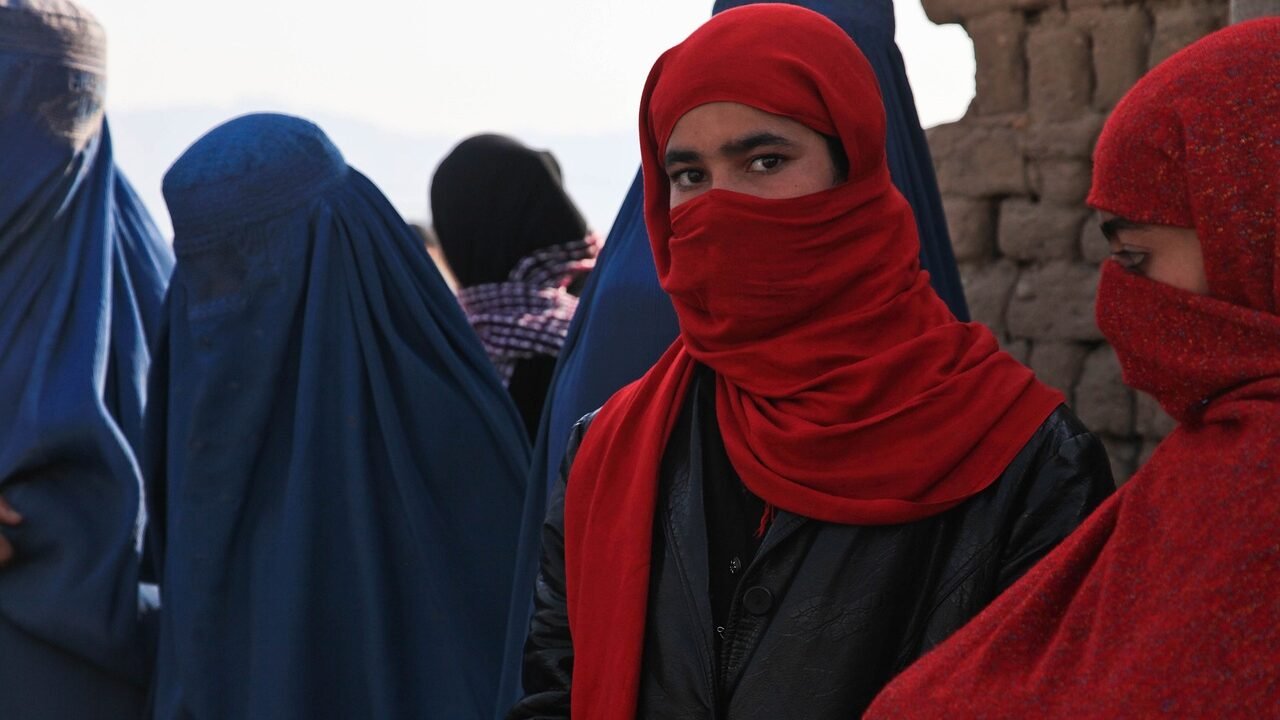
(82, 278)
(335, 469)
(625, 321)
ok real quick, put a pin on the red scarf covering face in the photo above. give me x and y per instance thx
(846, 391)
(1167, 600)
(845, 388)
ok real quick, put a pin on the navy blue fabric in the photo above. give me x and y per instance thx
(625, 321)
(82, 278)
(336, 470)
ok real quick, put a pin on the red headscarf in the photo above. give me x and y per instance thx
(1167, 600)
(846, 391)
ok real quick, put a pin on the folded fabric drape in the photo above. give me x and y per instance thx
(334, 466)
(82, 277)
(625, 321)
(834, 358)
(1164, 602)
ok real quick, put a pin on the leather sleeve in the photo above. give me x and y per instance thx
(1069, 478)
(548, 649)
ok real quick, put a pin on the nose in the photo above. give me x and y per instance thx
(728, 181)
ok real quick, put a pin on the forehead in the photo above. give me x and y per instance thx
(713, 124)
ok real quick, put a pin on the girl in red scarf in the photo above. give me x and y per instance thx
(1167, 601)
(826, 473)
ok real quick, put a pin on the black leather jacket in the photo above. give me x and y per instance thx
(825, 614)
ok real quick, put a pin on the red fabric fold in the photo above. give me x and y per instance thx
(1166, 602)
(836, 363)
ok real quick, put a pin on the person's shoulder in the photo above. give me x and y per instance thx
(1062, 452)
(1064, 436)
(576, 434)
(580, 428)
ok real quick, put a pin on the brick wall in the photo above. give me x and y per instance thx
(1014, 173)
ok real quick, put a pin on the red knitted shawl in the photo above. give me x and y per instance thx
(1167, 600)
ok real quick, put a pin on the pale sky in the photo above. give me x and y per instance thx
(396, 82)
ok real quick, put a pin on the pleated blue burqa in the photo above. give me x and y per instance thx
(336, 471)
(82, 278)
(625, 321)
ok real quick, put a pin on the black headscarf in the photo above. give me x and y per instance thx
(495, 201)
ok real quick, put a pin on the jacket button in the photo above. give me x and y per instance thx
(757, 600)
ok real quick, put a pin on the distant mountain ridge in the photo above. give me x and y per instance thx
(598, 169)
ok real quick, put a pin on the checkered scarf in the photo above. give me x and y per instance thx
(529, 313)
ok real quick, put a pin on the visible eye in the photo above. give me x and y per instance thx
(1130, 258)
(687, 178)
(766, 163)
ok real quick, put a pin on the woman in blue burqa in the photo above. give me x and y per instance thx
(335, 469)
(82, 278)
(625, 321)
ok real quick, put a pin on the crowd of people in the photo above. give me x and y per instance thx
(746, 457)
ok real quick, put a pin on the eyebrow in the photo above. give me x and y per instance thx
(746, 144)
(739, 146)
(1116, 224)
(681, 156)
